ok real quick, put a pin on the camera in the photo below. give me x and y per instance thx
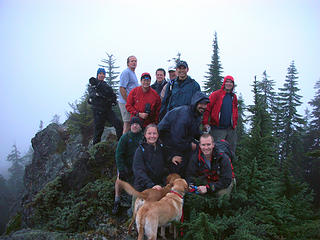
(147, 108)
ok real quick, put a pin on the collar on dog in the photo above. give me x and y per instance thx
(178, 194)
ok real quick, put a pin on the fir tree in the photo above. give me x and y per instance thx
(55, 119)
(291, 121)
(40, 126)
(176, 59)
(16, 171)
(214, 78)
(111, 74)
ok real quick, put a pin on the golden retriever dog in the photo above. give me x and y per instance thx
(157, 214)
(150, 195)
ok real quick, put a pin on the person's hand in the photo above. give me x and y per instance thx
(93, 81)
(176, 160)
(202, 189)
(143, 115)
(193, 146)
(157, 187)
(206, 128)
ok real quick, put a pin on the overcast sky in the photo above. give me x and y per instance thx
(49, 49)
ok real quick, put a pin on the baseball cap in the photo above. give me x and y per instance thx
(182, 63)
(145, 74)
(171, 68)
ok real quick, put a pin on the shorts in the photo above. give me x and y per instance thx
(124, 113)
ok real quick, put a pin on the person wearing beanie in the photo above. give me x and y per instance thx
(144, 102)
(126, 148)
(223, 113)
(102, 98)
(128, 81)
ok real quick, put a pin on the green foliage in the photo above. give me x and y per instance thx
(214, 78)
(14, 224)
(80, 119)
(56, 210)
(111, 74)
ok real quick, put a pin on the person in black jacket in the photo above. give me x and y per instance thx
(149, 165)
(210, 170)
(102, 98)
(179, 130)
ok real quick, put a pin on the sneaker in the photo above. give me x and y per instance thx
(116, 208)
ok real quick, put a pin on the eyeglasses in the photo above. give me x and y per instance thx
(146, 78)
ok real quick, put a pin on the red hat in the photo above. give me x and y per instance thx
(145, 74)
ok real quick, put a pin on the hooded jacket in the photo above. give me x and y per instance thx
(214, 107)
(180, 126)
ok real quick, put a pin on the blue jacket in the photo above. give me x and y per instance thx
(181, 126)
(180, 94)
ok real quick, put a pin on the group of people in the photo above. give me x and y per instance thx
(161, 129)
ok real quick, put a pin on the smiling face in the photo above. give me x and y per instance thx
(228, 86)
(145, 83)
(182, 72)
(206, 145)
(201, 107)
(135, 128)
(151, 135)
(160, 76)
(101, 76)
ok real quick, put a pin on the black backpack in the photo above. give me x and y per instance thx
(222, 146)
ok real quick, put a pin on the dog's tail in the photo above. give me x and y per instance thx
(130, 190)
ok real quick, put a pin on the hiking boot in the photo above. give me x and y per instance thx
(116, 208)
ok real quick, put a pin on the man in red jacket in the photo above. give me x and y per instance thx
(144, 102)
(223, 113)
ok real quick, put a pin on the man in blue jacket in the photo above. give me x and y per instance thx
(179, 130)
(180, 91)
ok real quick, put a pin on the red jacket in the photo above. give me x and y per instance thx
(136, 103)
(214, 107)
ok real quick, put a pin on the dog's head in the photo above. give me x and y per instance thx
(180, 185)
(171, 177)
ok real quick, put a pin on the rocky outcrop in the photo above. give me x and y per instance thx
(57, 154)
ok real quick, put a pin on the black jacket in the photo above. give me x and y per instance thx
(219, 174)
(159, 86)
(181, 126)
(101, 95)
(149, 167)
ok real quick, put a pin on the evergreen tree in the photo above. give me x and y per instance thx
(312, 145)
(16, 171)
(241, 131)
(4, 203)
(176, 59)
(291, 121)
(214, 78)
(40, 126)
(111, 74)
(266, 86)
(55, 119)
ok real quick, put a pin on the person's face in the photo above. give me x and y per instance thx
(135, 128)
(228, 86)
(160, 76)
(182, 72)
(206, 145)
(151, 135)
(201, 107)
(132, 64)
(101, 76)
(172, 75)
(145, 82)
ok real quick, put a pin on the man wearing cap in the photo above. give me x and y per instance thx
(102, 98)
(179, 130)
(181, 91)
(223, 113)
(160, 81)
(144, 102)
(128, 81)
(172, 76)
(126, 148)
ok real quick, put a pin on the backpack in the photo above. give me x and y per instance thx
(222, 146)
(93, 93)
